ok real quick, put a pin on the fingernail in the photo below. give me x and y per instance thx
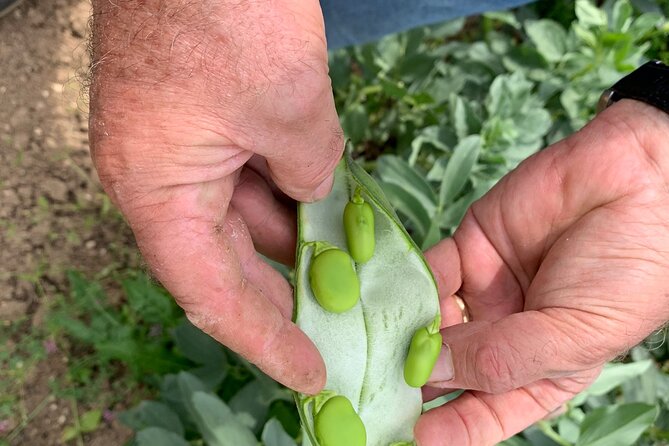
(323, 189)
(443, 369)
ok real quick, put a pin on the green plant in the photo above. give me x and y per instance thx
(453, 109)
(88, 422)
(129, 334)
(231, 410)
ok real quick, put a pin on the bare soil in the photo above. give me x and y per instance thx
(53, 214)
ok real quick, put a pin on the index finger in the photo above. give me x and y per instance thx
(481, 419)
(202, 252)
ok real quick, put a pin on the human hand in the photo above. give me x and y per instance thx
(563, 266)
(202, 115)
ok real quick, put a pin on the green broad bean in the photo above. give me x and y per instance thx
(359, 228)
(423, 353)
(333, 280)
(337, 424)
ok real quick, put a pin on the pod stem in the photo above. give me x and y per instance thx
(321, 246)
(433, 328)
(357, 196)
(318, 401)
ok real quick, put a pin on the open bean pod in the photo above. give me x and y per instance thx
(366, 346)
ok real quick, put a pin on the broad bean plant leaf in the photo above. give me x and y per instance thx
(409, 192)
(549, 37)
(152, 414)
(613, 375)
(458, 169)
(157, 436)
(273, 434)
(255, 397)
(364, 348)
(218, 424)
(590, 15)
(616, 425)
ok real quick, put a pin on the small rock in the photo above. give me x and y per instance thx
(57, 87)
(13, 309)
(50, 143)
(20, 140)
(9, 198)
(62, 419)
(55, 189)
(35, 18)
(19, 115)
(25, 193)
(90, 244)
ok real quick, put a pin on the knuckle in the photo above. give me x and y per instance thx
(493, 370)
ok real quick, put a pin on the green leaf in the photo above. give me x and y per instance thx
(69, 434)
(459, 168)
(394, 89)
(454, 212)
(355, 122)
(507, 17)
(590, 15)
(644, 24)
(255, 397)
(394, 170)
(274, 435)
(549, 37)
(188, 384)
(408, 205)
(621, 15)
(463, 115)
(198, 346)
(437, 137)
(616, 425)
(515, 441)
(568, 429)
(614, 375)
(152, 414)
(90, 420)
(156, 436)
(433, 235)
(218, 424)
(148, 300)
(446, 29)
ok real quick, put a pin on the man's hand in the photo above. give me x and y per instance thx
(202, 115)
(563, 266)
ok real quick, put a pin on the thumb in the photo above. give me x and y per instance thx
(517, 350)
(305, 170)
(301, 138)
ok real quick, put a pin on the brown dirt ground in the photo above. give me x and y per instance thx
(53, 215)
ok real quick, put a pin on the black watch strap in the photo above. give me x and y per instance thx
(648, 83)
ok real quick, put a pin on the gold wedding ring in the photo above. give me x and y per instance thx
(463, 308)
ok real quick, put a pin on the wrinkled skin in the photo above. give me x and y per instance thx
(203, 115)
(205, 118)
(563, 266)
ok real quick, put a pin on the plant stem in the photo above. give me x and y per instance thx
(548, 430)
